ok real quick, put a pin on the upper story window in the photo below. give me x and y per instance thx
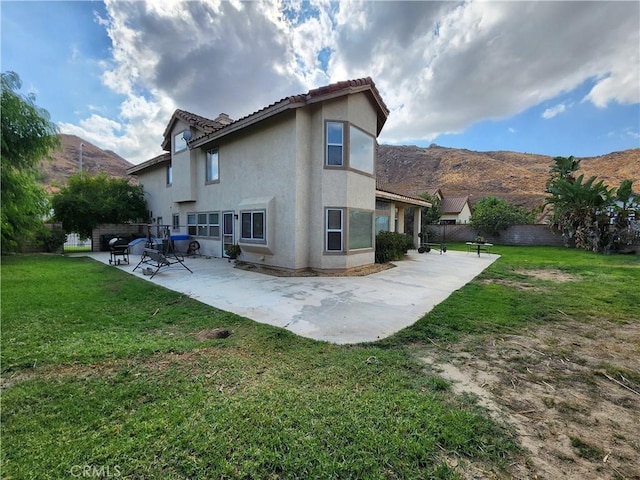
(359, 145)
(212, 170)
(335, 144)
(179, 143)
(361, 150)
(169, 175)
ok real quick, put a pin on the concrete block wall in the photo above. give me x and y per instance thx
(516, 235)
(124, 229)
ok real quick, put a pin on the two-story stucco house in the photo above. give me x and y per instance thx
(292, 184)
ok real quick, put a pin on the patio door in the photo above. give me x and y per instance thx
(228, 237)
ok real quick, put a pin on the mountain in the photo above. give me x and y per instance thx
(66, 162)
(519, 178)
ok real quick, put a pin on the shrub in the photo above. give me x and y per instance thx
(51, 239)
(392, 246)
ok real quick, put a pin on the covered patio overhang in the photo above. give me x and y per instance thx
(391, 208)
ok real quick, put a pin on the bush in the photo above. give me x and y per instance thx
(51, 239)
(392, 246)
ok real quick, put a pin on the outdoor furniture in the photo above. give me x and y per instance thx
(119, 249)
(157, 260)
(426, 246)
(479, 246)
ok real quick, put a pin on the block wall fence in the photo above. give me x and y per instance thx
(521, 235)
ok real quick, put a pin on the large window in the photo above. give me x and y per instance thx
(253, 226)
(361, 150)
(179, 143)
(212, 173)
(204, 224)
(359, 145)
(334, 230)
(360, 229)
(383, 216)
(335, 144)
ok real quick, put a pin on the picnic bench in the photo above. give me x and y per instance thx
(479, 246)
(158, 260)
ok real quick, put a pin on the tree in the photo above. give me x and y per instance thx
(433, 213)
(28, 137)
(88, 201)
(491, 215)
(581, 207)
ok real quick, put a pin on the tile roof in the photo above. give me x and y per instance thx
(162, 158)
(453, 205)
(327, 92)
(382, 189)
(203, 124)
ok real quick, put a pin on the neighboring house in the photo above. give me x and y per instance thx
(455, 210)
(292, 184)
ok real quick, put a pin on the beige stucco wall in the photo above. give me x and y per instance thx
(278, 163)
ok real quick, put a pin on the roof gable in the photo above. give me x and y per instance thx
(201, 124)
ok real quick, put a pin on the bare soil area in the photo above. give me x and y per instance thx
(571, 390)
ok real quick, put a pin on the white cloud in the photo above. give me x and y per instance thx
(440, 66)
(553, 111)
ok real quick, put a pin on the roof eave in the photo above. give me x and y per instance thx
(402, 198)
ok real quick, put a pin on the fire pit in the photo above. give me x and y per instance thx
(119, 248)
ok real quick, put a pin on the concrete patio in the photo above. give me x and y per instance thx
(334, 309)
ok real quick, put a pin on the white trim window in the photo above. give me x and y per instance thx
(335, 144)
(212, 168)
(175, 222)
(334, 232)
(253, 226)
(203, 224)
(214, 224)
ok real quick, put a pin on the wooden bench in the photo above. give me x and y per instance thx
(158, 260)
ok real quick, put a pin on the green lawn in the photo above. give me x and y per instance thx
(104, 373)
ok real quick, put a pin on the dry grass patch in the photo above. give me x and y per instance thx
(572, 391)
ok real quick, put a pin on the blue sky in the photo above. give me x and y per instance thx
(556, 78)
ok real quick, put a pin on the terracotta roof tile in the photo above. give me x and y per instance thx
(162, 158)
(295, 101)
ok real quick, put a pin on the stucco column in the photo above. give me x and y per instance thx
(400, 220)
(392, 217)
(417, 225)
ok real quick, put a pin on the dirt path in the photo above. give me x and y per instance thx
(571, 391)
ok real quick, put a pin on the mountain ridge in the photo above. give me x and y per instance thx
(517, 177)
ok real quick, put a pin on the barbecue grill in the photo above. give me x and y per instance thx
(119, 248)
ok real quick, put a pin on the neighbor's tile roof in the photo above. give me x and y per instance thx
(453, 205)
